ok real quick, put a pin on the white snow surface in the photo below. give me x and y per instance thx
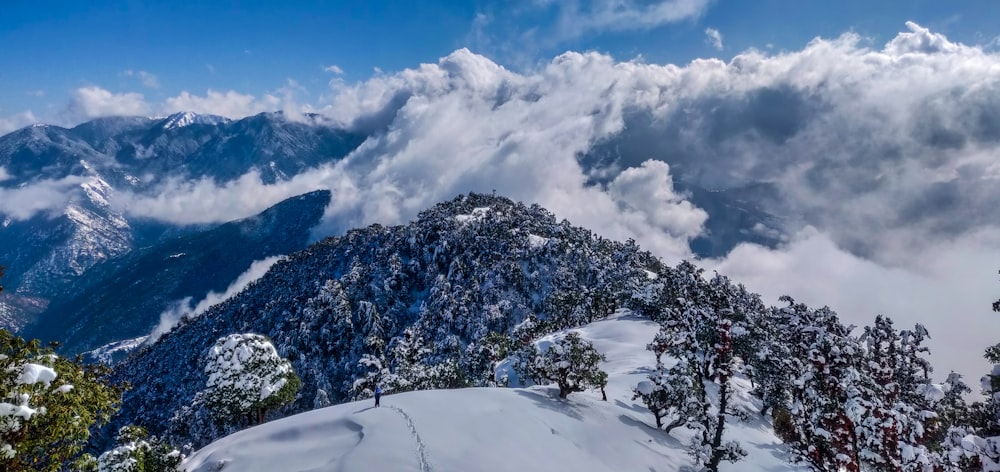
(34, 373)
(493, 429)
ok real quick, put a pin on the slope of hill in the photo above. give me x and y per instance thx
(88, 165)
(495, 429)
(123, 297)
(476, 265)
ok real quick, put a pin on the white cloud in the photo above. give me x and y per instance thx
(230, 104)
(648, 190)
(578, 17)
(334, 69)
(36, 93)
(93, 102)
(950, 292)
(173, 314)
(16, 121)
(21, 203)
(714, 38)
(147, 79)
(889, 152)
(4, 175)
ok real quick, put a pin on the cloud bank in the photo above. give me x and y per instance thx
(880, 161)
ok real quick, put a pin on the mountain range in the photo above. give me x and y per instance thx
(49, 248)
(85, 168)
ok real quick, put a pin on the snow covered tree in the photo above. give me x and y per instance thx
(894, 406)
(825, 396)
(703, 324)
(48, 404)
(667, 394)
(135, 451)
(247, 379)
(571, 362)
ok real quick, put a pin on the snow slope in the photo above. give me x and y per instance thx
(496, 429)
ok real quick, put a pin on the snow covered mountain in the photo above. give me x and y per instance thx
(82, 169)
(496, 429)
(465, 268)
(124, 297)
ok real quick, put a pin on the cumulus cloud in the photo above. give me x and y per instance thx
(93, 102)
(334, 69)
(173, 314)
(4, 175)
(887, 152)
(714, 38)
(230, 104)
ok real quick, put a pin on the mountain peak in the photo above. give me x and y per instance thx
(185, 118)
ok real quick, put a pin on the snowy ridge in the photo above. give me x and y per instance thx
(186, 118)
(497, 429)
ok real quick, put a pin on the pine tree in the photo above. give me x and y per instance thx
(246, 379)
(136, 451)
(703, 329)
(825, 394)
(571, 362)
(49, 403)
(894, 383)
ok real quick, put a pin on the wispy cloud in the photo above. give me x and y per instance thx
(519, 31)
(333, 69)
(147, 79)
(180, 308)
(579, 17)
(714, 38)
(16, 121)
(45, 196)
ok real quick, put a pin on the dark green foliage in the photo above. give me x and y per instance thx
(571, 362)
(47, 441)
(136, 451)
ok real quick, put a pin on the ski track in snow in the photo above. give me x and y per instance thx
(421, 449)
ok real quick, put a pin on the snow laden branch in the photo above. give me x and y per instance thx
(571, 362)
(246, 379)
(48, 405)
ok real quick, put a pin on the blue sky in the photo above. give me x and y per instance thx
(49, 49)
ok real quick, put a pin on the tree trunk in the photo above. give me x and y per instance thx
(720, 424)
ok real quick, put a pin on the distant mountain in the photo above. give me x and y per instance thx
(94, 161)
(463, 269)
(123, 297)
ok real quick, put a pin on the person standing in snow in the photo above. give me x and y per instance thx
(378, 394)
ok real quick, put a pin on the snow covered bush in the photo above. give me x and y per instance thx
(47, 405)
(136, 452)
(571, 362)
(247, 379)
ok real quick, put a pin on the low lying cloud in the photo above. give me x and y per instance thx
(173, 314)
(46, 196)
(950, 289)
